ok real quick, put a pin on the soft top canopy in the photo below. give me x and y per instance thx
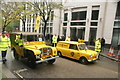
(26, 33)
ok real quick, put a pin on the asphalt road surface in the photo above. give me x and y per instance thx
(64, 68)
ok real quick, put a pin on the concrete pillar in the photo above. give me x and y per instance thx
(56, 21)
(101, 20)
(109, 21)
(68, 24)
(62, 19)
(88, 19)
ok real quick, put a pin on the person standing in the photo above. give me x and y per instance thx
(4, 44)
(102, 44)
(98, 47)
(54, 40)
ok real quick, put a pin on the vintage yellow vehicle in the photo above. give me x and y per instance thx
(34, 50)
(76, 50)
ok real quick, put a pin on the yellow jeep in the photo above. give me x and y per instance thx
(76, 50)
(34, 50)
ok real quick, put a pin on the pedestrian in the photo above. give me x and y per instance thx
(39, 38)
(58, 39)
(98, 47)
(54, 40)
(102, 44)
(19, 41)
(67, 38)
(4, 45)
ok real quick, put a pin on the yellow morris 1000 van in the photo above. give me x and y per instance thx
(76, 50)
(33, 49)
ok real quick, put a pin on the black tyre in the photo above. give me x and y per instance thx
(31, 61)
(16, 56)
(59, 54)
(51, 61)
(83, 60)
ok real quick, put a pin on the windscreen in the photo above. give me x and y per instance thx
(32, 38)
(82, 46)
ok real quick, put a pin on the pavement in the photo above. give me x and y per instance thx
(104, 53)
(4, 71)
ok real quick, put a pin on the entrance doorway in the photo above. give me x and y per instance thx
(92, 36)
(116, 37)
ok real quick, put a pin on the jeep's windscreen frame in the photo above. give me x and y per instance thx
(29, 36)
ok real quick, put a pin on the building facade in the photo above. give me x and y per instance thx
(84, 20)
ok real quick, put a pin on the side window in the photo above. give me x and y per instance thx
(73, 46)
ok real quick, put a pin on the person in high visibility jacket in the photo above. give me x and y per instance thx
(98, 46)
(4, 44)
(68, 38)
(19, 41)
(54, 40)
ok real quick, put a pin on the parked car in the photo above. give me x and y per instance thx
(76, 50)
(34, 49)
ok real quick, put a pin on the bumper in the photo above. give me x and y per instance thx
(46, 59)
(92, 60)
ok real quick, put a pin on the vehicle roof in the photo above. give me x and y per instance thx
(26, 33)
(70, 42)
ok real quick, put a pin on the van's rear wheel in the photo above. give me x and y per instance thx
(16, 56)
(83, 60)
(31, 61)
(51, 61)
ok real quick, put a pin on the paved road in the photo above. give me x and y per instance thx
(66, 68)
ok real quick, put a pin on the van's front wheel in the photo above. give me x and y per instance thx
(83, 60)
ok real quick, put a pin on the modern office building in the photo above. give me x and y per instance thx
(84, 20)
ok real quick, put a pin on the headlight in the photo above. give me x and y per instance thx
(90, 55)
(38, 56)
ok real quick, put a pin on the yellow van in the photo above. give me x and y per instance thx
(76, 50)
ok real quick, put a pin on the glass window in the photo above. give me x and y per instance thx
(64, 31)
(79, 15)
(95, 14)
(47, 29)
(51, 24)
(82, 46)
(117, 23)
(64, 24)
(78, 23)
(33, 30)
(118, 11)
(51, 29)
(73, 46)
(52, 15)
(42, 29)
(65, 16)
(94, 23)
(81, 33)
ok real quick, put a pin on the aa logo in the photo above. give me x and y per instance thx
(72, 54)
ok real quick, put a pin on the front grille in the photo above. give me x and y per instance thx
(45, 51)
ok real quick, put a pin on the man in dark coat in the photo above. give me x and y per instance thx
(102, 44)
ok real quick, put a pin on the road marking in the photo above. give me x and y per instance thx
(19, 71)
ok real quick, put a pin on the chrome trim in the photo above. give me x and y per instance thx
(46, 59)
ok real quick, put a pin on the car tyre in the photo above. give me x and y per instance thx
(31, 61)
(16, 56)
(51, 61)
(83, 60)
(59, 54)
